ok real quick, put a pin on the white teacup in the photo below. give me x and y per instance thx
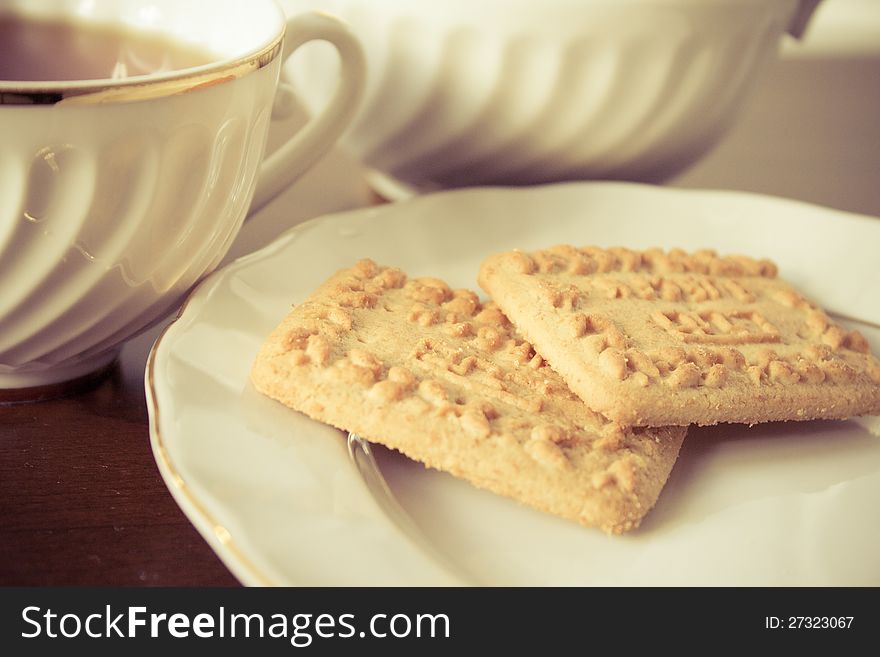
(520, 92)
(117, 196)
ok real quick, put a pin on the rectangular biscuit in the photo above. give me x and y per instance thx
(435, 374)
(656, 338)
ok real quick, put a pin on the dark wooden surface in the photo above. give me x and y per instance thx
(81, 498)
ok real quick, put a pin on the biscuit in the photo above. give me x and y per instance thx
(435, 374)
(674, 338)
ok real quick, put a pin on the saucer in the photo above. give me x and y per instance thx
(282, 501)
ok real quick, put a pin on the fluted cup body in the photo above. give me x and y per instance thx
(512, 92)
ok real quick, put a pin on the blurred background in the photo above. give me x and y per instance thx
(810, 130)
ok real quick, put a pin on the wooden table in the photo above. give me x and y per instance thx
(81, 499)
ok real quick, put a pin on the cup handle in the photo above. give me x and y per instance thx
(303, 149)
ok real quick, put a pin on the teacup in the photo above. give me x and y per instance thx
(117, 195)
(518, 92)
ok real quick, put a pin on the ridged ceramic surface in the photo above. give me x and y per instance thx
(109, 214)
(548, 91)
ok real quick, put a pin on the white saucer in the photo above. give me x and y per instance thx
(282, 502)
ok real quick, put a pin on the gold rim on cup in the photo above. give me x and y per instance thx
(137, 88)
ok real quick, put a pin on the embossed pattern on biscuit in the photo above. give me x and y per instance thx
(438, 375)
(654, 337)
